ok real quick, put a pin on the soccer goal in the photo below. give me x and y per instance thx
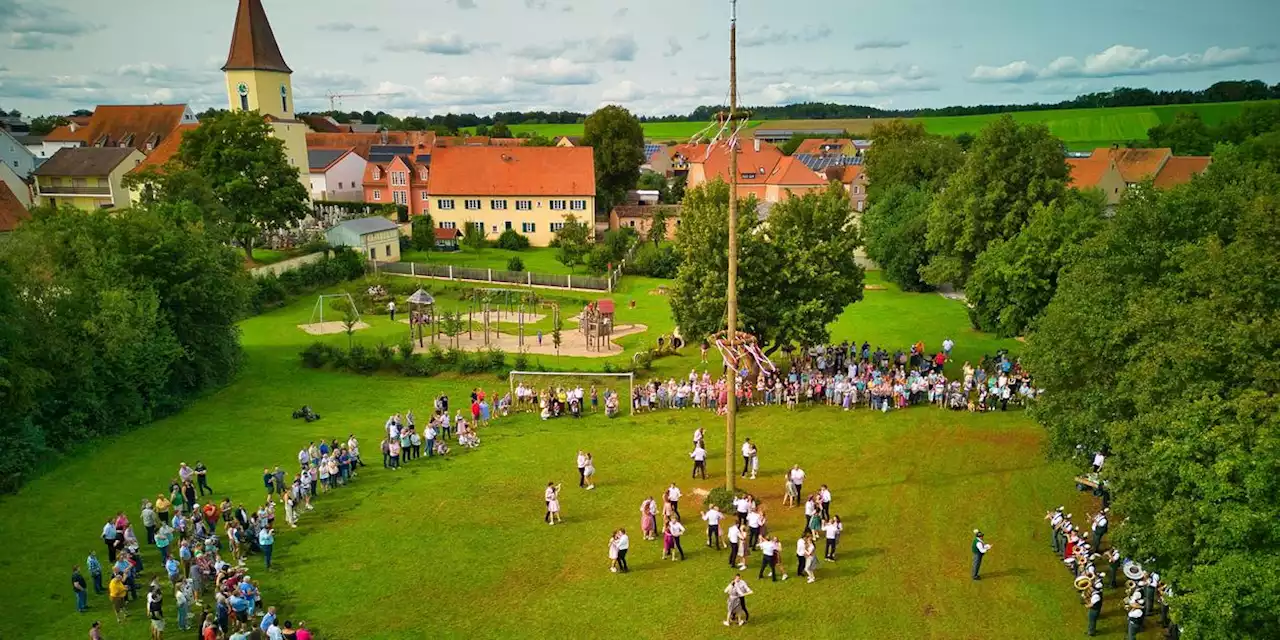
(536, 384)
(317, 312)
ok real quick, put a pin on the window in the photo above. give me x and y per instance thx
(400, 197)
(523, 205)
(448, 225)
(444, 204)
(399, 179)
(495, 228)
(860, 203)
(377, 173)
(508, 225)
(633, 224)
(373, 253)
(557, 205)
(528, 227)
(498, 205)
(422, 173)
(748, 176)
(556, 227)
(244, 102)
(856, 189)
(578, 205)
(339, 186)
(377, 195)
(424, 196)
(472, 204)
(388, 250)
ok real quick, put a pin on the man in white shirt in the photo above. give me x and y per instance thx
(802, 556)
(713, 518)
(947, 346)
(431, 439)
(697, 438)
(673, 498)
(754, 519)
(980, 549)
(582, 467)
(797, 479)
(1055, 526)
(1100, 527)
(734, 535)
(623, 543)
(825, 494)
(769, 551)
(746, 456)
(741, 505)
(677, 530)
(699, 456)
(391, 309)
(1098, 459)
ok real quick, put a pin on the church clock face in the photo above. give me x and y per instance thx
(242, 89)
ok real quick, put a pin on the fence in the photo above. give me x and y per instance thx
(527, 278)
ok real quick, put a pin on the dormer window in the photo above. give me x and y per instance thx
(377, 173)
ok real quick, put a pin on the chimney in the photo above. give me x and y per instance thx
(384, 135)
(757, 144)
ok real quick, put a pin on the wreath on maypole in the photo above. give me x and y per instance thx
(743, 345)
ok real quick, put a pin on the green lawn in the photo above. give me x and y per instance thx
(270, 256)
(536, 259)
(656, 131)
(457, 547)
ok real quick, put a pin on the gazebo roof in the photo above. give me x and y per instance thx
(605, 306)
(421, 297)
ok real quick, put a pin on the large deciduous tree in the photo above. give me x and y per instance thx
(1014, 280)
(248, 172)
(797, 273)
(1161, 345)
(903, 153)
(894, 228)
(1009, 170)
(617, 141)
(572, 241)
(1186, 135)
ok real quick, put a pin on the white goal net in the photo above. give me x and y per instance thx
(571, 393)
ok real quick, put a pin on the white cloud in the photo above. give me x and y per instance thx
(610, 48)
(767, 35)
(786, 92)
(557, 71)
(880, 44)
(344, 27)
(673, 47)
(449, 43)
(1123, 60)
(37, 42)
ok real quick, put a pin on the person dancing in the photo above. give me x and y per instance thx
(648, 518)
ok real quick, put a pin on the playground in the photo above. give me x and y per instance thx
(590, 335)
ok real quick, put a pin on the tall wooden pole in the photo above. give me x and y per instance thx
(731, 415)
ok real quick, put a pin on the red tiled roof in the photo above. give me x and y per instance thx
(64, 133)
(12, 213)
(1181, 169)
(1085, 173)
(506, 142)
(114, 123)
(1136, 165)
(791, 172)
(754, 167)
(814, 145)
(324, 124)
(605, 305)
(401, 163)
(253, 45)
(513, 171)
(447, 234)
(167, 149)
(846, 174)
(422, 141)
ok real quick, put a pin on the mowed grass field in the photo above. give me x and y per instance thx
(1080, 129)
(536, 259)
(457, 547)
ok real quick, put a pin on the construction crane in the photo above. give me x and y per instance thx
(336, 98)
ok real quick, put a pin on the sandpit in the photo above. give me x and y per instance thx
(573, 343)
(329, 328)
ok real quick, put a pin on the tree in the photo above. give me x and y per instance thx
(617, 141)
(245, 167)
(573, 242)
(678, 185)
(895, 228)
(500, 130)
(1186, 135)
(473, 235)
(42, 125)
(423, 232)
(658, 225)
(557, 330)
(809, 244)
(1014, 280)
(1010, 169)
(905, 154)
(1153, 348)
(512, 240)
(209, 114)
(652, 181)
(515, 264)
(482, 130)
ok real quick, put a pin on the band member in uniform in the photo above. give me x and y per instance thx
(1100, 526)
(1134, 613)
(1113, 557)
(980, 548)
(1055, 519)
(1095, 606)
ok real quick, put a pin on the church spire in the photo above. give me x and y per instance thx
(253, 45)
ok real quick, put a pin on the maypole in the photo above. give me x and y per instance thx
(731, 413)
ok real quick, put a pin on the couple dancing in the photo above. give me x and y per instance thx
(750, 458)
(618, 545)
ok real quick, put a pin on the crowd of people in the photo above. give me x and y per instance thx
(850, 377)
(1081, 548)
(557, 401)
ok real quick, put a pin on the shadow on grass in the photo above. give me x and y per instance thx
(1016, 572)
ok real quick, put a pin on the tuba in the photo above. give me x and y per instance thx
(1082, 583)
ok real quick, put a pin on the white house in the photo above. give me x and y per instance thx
(16, 155)
(336, 174)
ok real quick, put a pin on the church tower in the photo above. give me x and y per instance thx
(258, 79)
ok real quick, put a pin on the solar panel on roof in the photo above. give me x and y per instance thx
(650, 149)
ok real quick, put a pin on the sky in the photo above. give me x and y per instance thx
(655, 57)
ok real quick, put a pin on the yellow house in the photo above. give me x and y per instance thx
(86, 178)
(530, 190)
(258, 79)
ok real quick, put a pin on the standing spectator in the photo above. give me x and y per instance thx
(109, 536)
(266, 540)
(149, 521)
(81, 588)
(391, 309)
(202, 478)
(95, 572)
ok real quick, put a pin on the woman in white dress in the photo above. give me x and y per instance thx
(755, 461)
(811, 560)
(613, 552)
(589, 472)
(553, 506)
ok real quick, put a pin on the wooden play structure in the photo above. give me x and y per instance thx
(596, 324)
(422, 316)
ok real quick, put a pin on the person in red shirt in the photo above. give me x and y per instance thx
(303, 634)
(475, 411)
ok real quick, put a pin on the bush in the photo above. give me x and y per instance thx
(316, 355)
(720, 497)
(513, 241)
(521, 362)
(497, 359)
(386, 354)
(598, 259)
(268, 292)
(471, 363)
(361, 359)
(406, 351)
(655, 262)
(424, 233)
(515, 264)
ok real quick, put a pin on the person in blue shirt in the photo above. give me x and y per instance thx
(266, 540)
(268, 619)
(240, 605)
(95, 572)
(171, 566)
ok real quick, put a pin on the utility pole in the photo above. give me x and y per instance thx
(731, 415)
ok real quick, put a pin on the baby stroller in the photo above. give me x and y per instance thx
(575, 408)
(306, 414)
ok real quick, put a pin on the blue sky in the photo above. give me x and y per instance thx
(655, 57)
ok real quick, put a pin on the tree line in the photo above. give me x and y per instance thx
(1153, 329)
